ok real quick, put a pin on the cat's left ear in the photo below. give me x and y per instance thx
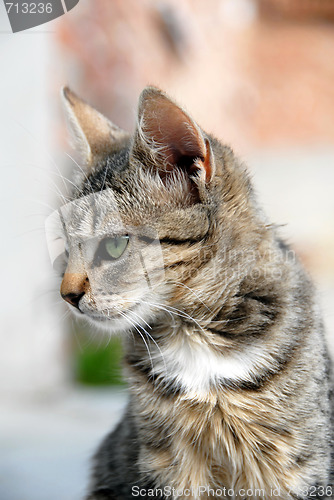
(168, 138)
(93, 134)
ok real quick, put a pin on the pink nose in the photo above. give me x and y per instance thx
(73, 287)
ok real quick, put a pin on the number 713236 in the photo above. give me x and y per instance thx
(29, 8)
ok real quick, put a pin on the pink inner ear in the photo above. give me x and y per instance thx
(173, 132)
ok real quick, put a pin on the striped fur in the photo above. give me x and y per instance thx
(234, 390)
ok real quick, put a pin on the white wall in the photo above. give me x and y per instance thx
(31, 344)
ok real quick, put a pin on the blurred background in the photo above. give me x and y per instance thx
(257, 74)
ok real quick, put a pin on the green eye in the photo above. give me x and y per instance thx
(115, 247)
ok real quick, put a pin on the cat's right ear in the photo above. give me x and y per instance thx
(93, 135)
(170, 141)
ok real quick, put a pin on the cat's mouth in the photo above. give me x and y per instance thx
(115, 319)
(103, 316)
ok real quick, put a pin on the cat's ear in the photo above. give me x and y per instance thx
(93, 134)
(169, 138)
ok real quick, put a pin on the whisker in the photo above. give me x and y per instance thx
(150, 336)
(150, 304)
(177, 312)
(192, 291)
(81, 169)
(74, 330)
(137, 329)
(36, 230)
(104, 179)
(61, 176)
(42, 147)
(42, 203)
(47, 175)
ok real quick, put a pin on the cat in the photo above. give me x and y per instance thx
(224, 351)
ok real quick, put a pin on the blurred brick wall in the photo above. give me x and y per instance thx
(254, 80)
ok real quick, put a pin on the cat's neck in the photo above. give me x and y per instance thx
(204, 437)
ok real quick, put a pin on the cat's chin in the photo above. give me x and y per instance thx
(110, 325)
(117, 324)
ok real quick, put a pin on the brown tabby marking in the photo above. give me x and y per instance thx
(235, 389)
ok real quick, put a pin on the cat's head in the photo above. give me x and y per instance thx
(151, 217)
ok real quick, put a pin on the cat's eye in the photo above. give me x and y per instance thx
(115, 247)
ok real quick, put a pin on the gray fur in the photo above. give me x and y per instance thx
(230, 288)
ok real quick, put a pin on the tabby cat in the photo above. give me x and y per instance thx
(225, 357)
